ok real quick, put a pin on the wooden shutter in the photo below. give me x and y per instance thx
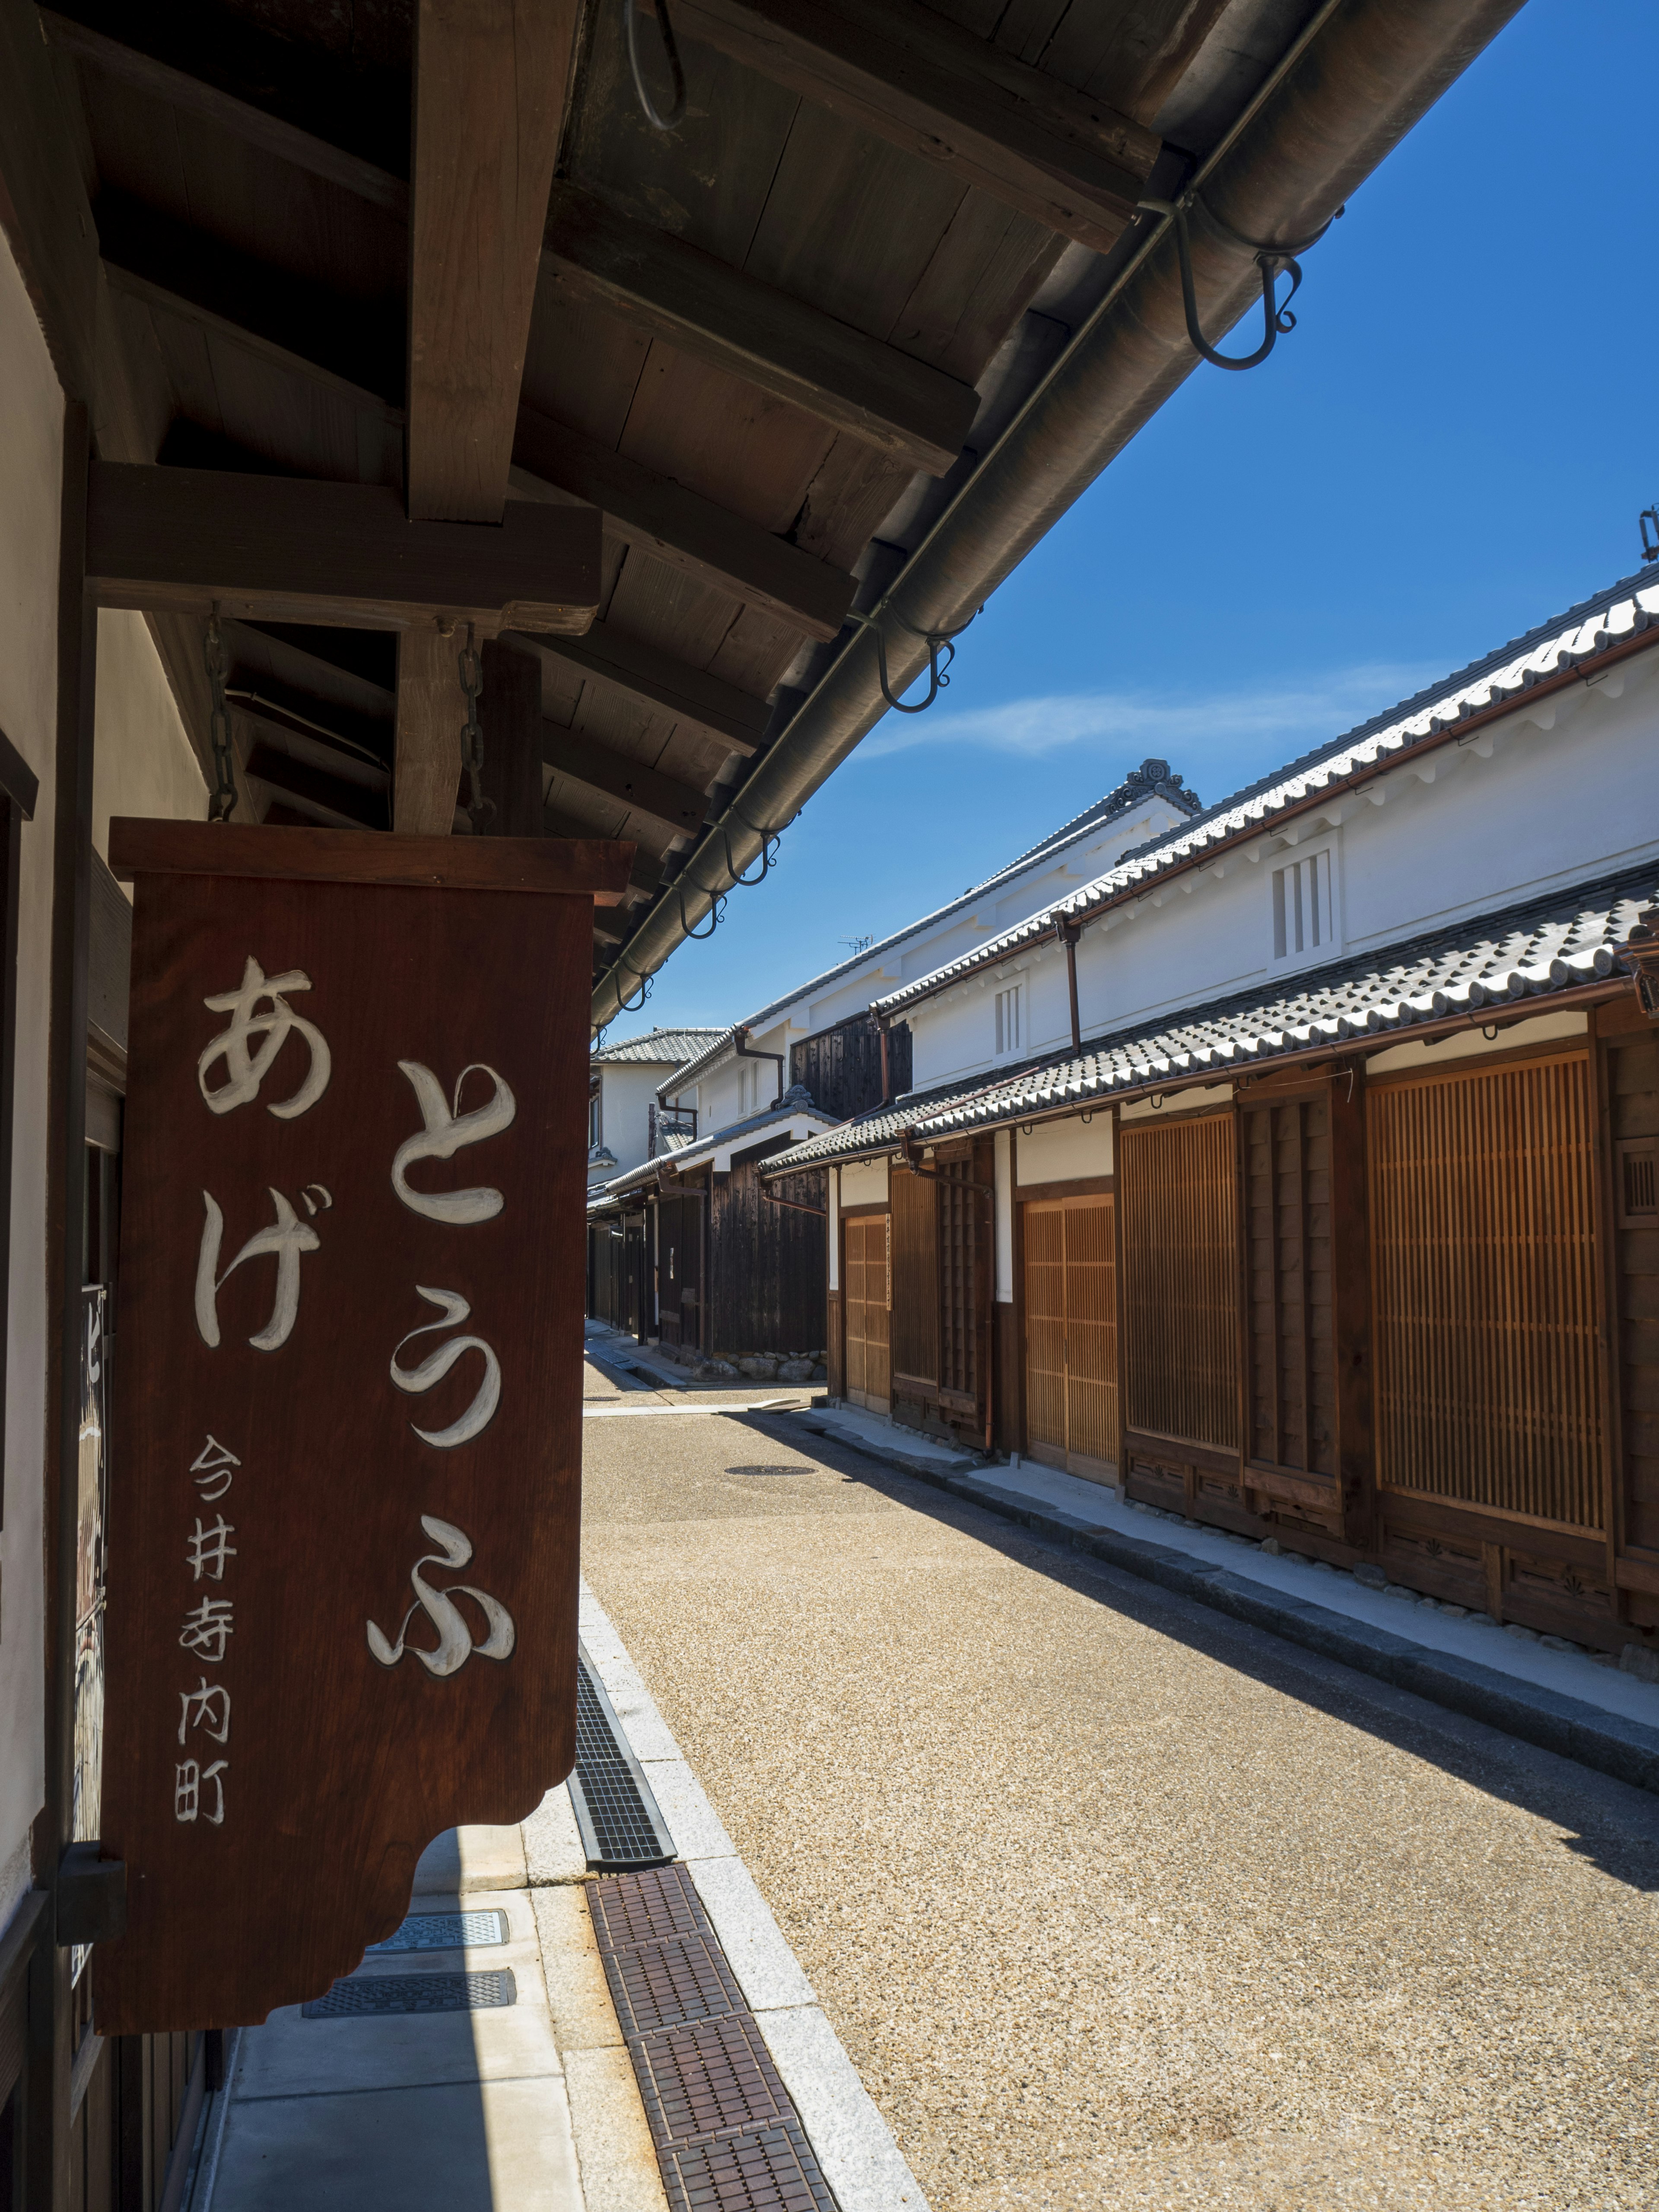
(1177, 1187)
(915, 1278)
(1287, 1230)
(1484, 1289)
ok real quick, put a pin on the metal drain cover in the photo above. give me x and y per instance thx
(620, 1826)
(389, 1993)
(445, 1931)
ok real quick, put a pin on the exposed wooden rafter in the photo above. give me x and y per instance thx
(707, 308)
(909, 75)
(643, 676)
(676, 805)
(681, 528)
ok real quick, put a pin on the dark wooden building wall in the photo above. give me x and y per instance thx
(679, 1269)
(767, 1263)
(1632, 1086)
(840, 1067)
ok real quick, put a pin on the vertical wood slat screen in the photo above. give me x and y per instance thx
(1045, 1329)
(1633, 1089)
(1484, 1295)
(1090, 1332)
(958, 1335)
(865, 1306)
(1288, 1243)
(916, 1275)
(1178, 1187)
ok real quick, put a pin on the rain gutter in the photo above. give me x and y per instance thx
(1350, 85)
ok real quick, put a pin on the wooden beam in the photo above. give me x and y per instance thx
(206, 103)
(643, 676)
(43, 203)
(680, 527)
(675, 805)
(290, 549)
(907, 74)
(705, 308)
(491, 81)
(590, 867)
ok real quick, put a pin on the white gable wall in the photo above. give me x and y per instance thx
(1545, 808)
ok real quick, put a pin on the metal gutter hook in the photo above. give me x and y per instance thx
(1270, 259)
(934, 640)
(676, 114)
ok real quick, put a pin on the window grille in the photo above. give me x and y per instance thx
(1008, 1020)
(1303, 916)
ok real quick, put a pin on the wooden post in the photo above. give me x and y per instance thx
(1350, 1317)
(431, 708)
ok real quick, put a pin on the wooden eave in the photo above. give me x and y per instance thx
(746, 342)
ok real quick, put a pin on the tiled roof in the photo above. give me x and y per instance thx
(1569, 640)
(1153, 778)
(1550, 944)
(657, 1047)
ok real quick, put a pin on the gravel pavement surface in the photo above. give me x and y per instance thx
(1113, 1901)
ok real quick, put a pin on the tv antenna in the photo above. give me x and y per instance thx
(863, 943)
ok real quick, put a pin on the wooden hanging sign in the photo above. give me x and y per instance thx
(344, 1481)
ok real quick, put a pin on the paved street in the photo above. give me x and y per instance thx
(1115, 1902)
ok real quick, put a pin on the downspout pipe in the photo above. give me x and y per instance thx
(1351, 85)
(740, 1045)
(1068, 933)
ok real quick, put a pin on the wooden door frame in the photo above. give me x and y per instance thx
(1064, 1197)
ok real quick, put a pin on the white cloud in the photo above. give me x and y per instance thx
(1181, 727)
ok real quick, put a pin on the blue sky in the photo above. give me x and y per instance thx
(1454, 444)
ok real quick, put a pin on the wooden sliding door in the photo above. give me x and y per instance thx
(867, 1303)
(1070, 1336)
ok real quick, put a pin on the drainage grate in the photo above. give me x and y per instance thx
(669, 1984)
(445, 1931)
(757, 2173)
(620, 1824)
(650, 1908)
(389, 1993)
(713, 2077)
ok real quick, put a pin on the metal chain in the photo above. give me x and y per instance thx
(479, 808)
(222, 800)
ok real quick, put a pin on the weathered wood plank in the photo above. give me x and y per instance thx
(510, 716)
(351, 804)
(782, 345)
(639, 674)
(43, 203)
(678, 806)
(656, 515)
(292, 548)
(491, 81)
(910, 76)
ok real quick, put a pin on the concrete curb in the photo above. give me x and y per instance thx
(1628, 1750)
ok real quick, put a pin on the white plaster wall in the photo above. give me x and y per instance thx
(1469, 1044)
(1548, 807)
(30, 464)
(626, 1093)
(864, 1182)
(1062, 1152)
(142, 762)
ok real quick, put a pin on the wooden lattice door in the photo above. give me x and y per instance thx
(1070, 1336)
(866, 1304)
